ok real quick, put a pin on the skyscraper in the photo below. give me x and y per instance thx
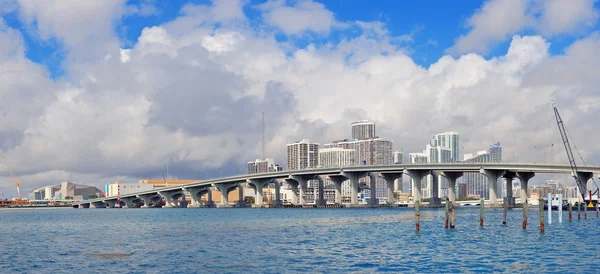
(451, 141)
(336, 157)
(302, 154)
(477, 184)
(363, 130)
(262, 166)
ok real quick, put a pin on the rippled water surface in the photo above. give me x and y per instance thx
(204, 240)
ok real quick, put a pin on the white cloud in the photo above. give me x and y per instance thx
(125, 57)
(304, 15)
(497, 20)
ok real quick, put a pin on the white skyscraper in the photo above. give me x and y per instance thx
(451, 141)
(302, 155)
(363, 130)
(336, 157)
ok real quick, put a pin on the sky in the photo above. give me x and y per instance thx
(98, 91)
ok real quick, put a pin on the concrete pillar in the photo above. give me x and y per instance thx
(209, 199)
(320, 200)
(417, 176)
(524, 177)
(194, 192)
(492, 176)
(277, 200)
(241, 202)
(452, 176)
(224, 189)
(257, 185)
(337, 183)
(353, 177)
(167, 197)
(435, 200)
(585, 177)
(509, 176)
(294, 186)
(110, 203)
(398, 184)
(301, 180)
(390, 179)
(128, 202)
(373, 187)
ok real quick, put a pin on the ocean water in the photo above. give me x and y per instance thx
(207, 240)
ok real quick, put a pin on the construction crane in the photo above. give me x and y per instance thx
(15, 179)
(564, 135)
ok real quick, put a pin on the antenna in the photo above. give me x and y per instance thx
(263, 136)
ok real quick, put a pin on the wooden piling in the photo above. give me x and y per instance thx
(570, 212)
(505, 212)
(417, 215)
(452, 215)
(481, 213)
(525, 208)
(578, 211)
(541, 201)
(596, 209)
(584, 210)
(446, 220)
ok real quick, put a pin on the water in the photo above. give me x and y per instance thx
(206, 240)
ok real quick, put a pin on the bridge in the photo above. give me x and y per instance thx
(298, 180)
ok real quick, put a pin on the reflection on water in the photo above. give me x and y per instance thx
(290, 240)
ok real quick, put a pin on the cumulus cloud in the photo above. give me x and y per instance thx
(190, 92)
(299, 17)
(497, 20)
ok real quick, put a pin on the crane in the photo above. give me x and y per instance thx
(15, 179)
(564, 135)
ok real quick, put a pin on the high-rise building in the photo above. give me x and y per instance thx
(336, 157)
(363, 130)
(477, 184)
(398, 157)
(451, 141)
(263, 166)
(302, 154)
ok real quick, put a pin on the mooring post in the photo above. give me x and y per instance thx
(549, 208)
(560, 202)
(417, 215)
(584, 210)
(570, 212)
(596, 209)
(505, 212)
(446, 220)
(452, 215)
(525, 214)
(481, 213)
(541, 202)
(578, 211)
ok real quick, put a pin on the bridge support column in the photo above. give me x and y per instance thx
(128, 202)
(111, 203)
(224, 188)
(302, 182)
(294, 186)
(167, 197)
(524, 177)
(320, 199)
(435, 200)
(241, 202)
(258, 186)
(492, 176)
(417, 177)
(353, 177)
(277, 201)
(337, 183)
(390, 178)
(510, 200)
(373, 187)
(452, 176)
(585, 177)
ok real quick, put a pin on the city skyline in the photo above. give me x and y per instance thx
(134, 84)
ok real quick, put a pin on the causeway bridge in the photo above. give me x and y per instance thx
(298, 180)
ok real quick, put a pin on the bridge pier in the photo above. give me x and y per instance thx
(294, 186)
(320, 197)
(110, 203)
(258, 185)
(510, 199)
(492, 176)
(225, 188)
(417, 177)
(452, 176)
(97, 205)
(390, 178)
(147, 198)
(302, 181)
(524, 177)
(373, 188)
(354, 177)
(197, 193)
(337, 183)
(277, 201)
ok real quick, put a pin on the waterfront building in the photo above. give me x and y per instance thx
(363, 130)
(263, 166)
(302, 154)
(118, 188)
(65, 191)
